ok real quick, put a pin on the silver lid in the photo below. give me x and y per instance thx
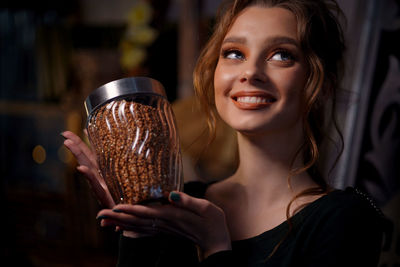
(121, 87)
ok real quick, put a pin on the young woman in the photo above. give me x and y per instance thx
(271, 71)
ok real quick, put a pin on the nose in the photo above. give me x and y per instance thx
(253, 72)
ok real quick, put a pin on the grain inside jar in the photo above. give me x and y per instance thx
(136, 148)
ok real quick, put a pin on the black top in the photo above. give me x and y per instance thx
(342, 228)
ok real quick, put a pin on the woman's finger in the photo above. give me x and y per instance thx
(76, 150)
(138, 231)
(125, 221)
(199, 206)
(136, 210)
(93, 176)
(124, 217)
(84, 155)
(183, 214)
(99, 189)
(83, 160)
(90, 152)
(128, 222)
(160, 211)
(174, 220)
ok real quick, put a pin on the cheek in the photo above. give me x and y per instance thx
(222, 85)
(217, 86)
(217, 79)
(298, 87)
(292, 84)
(223, 79)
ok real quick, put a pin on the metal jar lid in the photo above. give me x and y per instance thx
(121, 87)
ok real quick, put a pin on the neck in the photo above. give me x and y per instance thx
(266, 162)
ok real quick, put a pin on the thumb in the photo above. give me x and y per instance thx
(197, 205)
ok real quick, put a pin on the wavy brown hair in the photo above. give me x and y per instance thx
(322, 43)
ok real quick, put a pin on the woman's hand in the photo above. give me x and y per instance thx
(196, 219)
(88, 166)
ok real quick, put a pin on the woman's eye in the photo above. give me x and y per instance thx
(233, 54)
(282, 56)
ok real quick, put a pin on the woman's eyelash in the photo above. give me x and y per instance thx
(232, 54)
(282, 55)
(278, 55)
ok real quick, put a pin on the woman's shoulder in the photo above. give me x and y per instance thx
(346, 207)
(351, 199)
(344, 227)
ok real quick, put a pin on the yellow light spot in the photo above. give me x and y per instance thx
(39, 154)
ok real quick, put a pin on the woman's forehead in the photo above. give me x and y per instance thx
(263, 22)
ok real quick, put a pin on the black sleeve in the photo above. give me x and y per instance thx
(349, 236)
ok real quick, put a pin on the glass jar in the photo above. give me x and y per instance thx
(132, 129)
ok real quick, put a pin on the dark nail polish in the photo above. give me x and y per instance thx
(175, 197)
(102, 217)
(117, 210)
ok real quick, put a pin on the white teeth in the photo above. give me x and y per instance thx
(252, 99)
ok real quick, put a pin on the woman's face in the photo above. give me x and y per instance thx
(261, 72)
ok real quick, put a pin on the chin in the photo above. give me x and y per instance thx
(252, 129)
(254, 132)
(274, 127)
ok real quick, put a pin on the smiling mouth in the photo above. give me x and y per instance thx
(252, 101)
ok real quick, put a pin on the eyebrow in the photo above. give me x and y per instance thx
(271, 41)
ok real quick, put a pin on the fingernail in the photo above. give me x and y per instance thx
(62, 134)
(175, 197)
(101, 217)
(117, 210)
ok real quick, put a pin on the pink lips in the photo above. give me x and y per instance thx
(252, 100)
